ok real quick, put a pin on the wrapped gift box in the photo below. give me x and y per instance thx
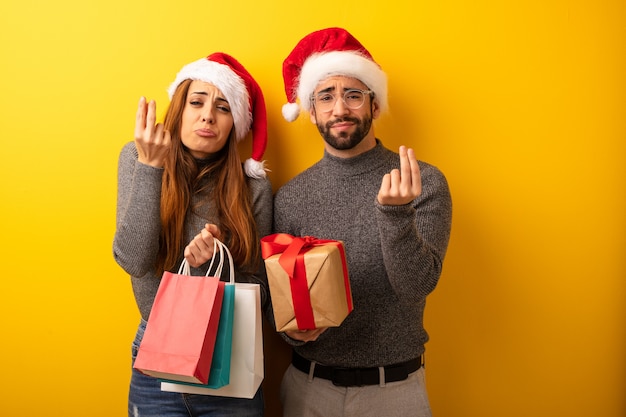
(308, 280)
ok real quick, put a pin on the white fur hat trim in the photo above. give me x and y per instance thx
(346, 63)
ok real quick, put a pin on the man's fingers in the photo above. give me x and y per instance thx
(401, 186)
(412, 175)
(306, 335)
(408, 165)
(405, 164)
(386, 183)
(396, 181)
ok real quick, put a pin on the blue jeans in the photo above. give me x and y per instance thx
(145, 398)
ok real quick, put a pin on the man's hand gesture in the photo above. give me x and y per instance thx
(401, 186)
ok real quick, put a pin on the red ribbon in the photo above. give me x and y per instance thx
(292, 261)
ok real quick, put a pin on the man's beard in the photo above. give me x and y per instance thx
(344, 140)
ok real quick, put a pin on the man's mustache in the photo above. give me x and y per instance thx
(330, 123)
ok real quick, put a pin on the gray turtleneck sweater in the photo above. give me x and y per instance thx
(136, 241)
(394, 253)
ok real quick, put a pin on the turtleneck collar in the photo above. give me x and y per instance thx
(365, 162)
(203, 162)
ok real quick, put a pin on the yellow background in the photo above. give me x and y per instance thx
(521, 104)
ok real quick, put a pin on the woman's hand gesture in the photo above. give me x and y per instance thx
(152, 141)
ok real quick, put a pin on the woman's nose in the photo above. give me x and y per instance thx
(207, 116)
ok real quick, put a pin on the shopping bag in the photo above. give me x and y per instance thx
(246, 367)
(308, 281)
(220, 365)
(180, 335)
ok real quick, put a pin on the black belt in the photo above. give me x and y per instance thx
(356, 377)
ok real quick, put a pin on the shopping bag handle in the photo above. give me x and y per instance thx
(218, 270)
(185, 269)
(231, 264)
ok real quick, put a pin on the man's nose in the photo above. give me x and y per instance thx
(339, 107)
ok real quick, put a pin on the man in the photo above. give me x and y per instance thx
(393, 215)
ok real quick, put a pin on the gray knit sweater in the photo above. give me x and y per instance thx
(394, 253)
(136, 241)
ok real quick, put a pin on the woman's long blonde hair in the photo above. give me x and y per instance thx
(182, 179)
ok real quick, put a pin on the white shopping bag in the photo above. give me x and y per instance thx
(246, 367)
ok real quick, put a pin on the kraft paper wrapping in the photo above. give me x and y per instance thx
(328, 288)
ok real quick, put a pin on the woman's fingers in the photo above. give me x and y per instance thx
(200, 250)
(140, 118)
(152, 140)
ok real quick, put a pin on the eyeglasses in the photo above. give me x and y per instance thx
(353, 99)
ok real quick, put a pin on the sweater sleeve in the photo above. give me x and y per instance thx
(138, 223)
(414, 237)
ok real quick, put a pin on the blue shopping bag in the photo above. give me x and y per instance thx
(220, 365)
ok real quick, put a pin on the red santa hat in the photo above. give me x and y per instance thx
(323, 54)
(244, 96)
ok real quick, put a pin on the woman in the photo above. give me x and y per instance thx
(182, 183)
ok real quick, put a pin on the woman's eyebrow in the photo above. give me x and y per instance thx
(204, 93)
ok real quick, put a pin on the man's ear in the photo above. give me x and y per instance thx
(312, 115)
(375, 109)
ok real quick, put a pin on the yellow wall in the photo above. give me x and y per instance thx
(520, 104)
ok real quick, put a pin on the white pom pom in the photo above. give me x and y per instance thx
(254, 169)
(291, 111)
